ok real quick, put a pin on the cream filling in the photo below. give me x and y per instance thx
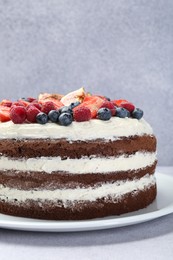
(90, 130)
(82, 166)
(113, 190)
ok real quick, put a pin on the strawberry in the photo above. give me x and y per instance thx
(128, 105)
(31, 114)
(93, 103)
(47, 107)
(18, 114)
(6, 103)
(82, 114)
(119, 102)
(110, 105)
(4, 113)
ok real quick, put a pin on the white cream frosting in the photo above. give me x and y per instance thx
(113, 190)
(93, 129)
(83, 165)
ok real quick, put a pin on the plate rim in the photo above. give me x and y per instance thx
(37, 225)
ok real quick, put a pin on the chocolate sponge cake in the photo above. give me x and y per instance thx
(90, 166)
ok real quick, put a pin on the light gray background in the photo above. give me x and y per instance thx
(123, 49)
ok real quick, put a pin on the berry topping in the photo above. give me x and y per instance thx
(122, 112)
(119, 102)
(104, 113)
(65, 119)
(54, 115)
(82, 114)
(42, 118)
(77, 105)
(31, 114)
(137, 113)
(47, 107)
(127, 105)
(109, 105)
(18, 114)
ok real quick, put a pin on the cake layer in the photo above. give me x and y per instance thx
(114, 190)
(41, 180)
(37, 147)
(89, 130)
(83, 165)
(82, 209)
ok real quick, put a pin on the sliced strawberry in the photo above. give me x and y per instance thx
(119, 102)
(4, 114)
(128, 105)
(6, 103)
(93, 103)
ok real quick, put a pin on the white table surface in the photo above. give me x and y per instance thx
(149, 240)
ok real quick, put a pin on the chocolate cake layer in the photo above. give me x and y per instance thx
(31, 148)
(82, 209)
(41, 180)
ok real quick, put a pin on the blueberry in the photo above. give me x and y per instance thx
(104, 113)
(137, 113)
(74, 104)
(66, 109)
(122, 112)
(54, 115)
(65, 119)
(42, 118)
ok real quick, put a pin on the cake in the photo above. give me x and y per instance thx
(75, 157)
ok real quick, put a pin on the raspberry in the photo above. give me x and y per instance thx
(110, 105)
(128, 106)
(31, 113)
(35, 104)
(18, 114)
(82, 114)
(47, 107)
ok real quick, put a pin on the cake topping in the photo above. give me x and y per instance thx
(76, 106)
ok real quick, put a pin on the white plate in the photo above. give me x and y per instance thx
(162, 206)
